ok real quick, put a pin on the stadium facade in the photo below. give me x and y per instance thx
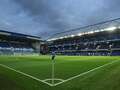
(16, 43)
(98, 39)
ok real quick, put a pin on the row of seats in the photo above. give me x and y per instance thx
(10, 48)
(83, 46)
(103, 41)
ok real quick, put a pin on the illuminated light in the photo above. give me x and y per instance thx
(85, 32)
(49, 40)
(80, 34)
(119, 27)
(72, 35)
(4, 33)
(65, 37)
(102, 30)
(91, 32)
(110, 28)
(97, 31)
(33, 38)
(52, 39)
(61, 37)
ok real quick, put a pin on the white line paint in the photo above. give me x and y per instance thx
(62, 81)
(82, 74)
(53, 71)
(54, 79)
(5, 66)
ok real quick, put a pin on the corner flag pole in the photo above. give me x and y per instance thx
(53, 71)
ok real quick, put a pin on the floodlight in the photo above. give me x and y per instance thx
(72, 35)
(65, 36)
(97, 31)
(5, 33)
(61, 37)
(80, 34)
(91, 32)
(110, 28)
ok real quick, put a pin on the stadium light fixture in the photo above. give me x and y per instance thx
(61, 37)
(52, 39)
(91, 32)
(4, 33)
(33, 38)
(72, 35)
(101, 30)
(119, 27)
(80, 34)
(97, 31)
(110, 28)
(49, 40)
(66, 36)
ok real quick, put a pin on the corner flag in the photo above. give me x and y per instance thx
(53, 55)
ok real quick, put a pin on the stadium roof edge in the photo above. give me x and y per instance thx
(83, 27)
(8, 33)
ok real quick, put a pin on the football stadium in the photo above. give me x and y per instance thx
(82, 58)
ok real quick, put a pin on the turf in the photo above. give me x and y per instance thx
(107, 78)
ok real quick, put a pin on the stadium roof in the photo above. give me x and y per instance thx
(109, 25)
(7, 33)
(46, 17)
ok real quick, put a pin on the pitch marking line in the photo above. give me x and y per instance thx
(57, 79)
(5, 66)
(62, 81)
(84, 73)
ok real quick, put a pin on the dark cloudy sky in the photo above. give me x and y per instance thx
(46, 17)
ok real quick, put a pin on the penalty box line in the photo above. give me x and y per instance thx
(30, 76)
(84, 73)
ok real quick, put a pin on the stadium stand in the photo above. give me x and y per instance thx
(103, 42)
(15, 43)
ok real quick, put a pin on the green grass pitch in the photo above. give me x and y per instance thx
(74, 72)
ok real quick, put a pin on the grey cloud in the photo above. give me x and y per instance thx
(46, 17)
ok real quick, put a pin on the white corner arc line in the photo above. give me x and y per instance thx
(84, 73)
(52, 79)
(30, 76)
